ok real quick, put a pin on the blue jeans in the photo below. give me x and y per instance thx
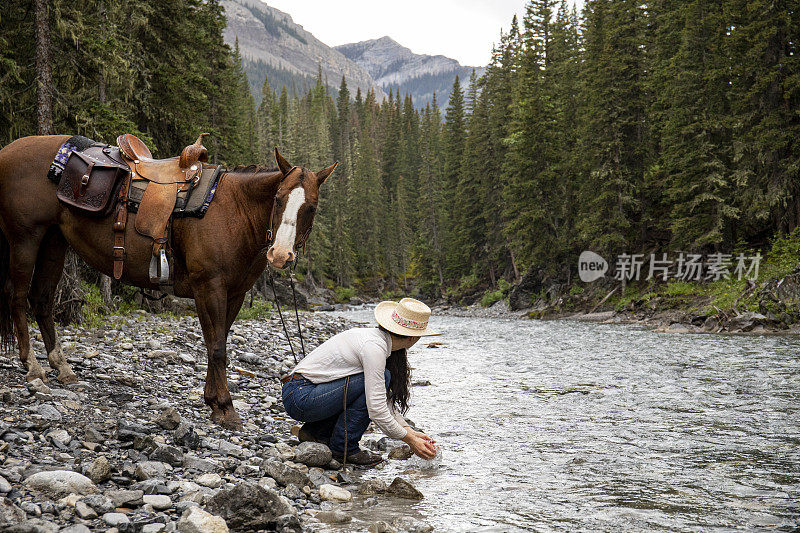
(321, 407)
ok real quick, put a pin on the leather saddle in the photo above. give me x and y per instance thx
(164, 178)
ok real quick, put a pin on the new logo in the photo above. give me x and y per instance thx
(591, 266)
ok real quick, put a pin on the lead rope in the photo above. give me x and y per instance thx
(344, 458)
(296, 313)
(280, 313)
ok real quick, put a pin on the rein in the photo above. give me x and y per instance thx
(296, 313)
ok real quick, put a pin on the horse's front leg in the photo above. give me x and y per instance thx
(212, 308)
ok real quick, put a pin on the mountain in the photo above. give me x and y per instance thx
(395, 67)
(272, 45)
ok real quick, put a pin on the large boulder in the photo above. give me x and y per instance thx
(746, 321)
(521, 294)
(59, 483)
(284, 292)
(249, 507)
(312, 454)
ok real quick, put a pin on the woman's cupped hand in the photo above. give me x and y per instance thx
(421, 444)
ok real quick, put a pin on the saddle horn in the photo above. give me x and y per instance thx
(194, 152)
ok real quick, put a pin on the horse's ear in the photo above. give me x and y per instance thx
(323, 174)
(282, 163)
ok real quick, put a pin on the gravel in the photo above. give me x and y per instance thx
(131, 445)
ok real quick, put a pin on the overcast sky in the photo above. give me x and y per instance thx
(461, 29)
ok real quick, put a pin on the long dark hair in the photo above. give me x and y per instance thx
(399, 386)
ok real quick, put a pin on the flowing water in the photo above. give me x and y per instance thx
(569, 426)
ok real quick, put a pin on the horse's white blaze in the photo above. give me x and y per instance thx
(287, 231)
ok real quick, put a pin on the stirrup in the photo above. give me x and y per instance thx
(159, 268)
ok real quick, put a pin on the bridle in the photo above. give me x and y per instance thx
(301, 244)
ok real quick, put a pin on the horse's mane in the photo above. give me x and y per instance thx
(251, 169)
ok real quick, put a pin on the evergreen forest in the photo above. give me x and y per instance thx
(633, 126)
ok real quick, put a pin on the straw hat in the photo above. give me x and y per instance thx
(406, 317)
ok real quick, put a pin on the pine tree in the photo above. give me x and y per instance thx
(613, 136)
(341, 257)
(765, 39)
(427, 257)
(453, 141)
(530, 195)
(695, 143)
(265, 120)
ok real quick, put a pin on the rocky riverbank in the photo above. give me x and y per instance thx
(130, 448)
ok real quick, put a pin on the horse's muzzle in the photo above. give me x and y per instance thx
(280, 257)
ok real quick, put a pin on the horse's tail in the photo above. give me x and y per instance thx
(6, 322)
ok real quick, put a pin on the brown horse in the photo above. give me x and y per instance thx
(216, 259)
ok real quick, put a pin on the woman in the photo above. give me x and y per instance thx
(359, 375)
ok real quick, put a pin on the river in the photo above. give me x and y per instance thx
(570, 426)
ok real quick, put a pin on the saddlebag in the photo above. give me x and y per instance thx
(92, 178)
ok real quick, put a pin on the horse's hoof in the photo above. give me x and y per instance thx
(231, 421)
(36, 373)
(67, 377)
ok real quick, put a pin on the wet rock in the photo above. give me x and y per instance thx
(406, 523)
(284, 474)
(249, 507)
(334, 493)
(380, 527)
(401, 452)
(336, 516)
(372, 486)
(168, 418)
(403, 489)
(115, 519)
(312, 454)
(100, 470)
(159, 502)
(126, 498)
(196, 520)
(59, 483)
(209, 480)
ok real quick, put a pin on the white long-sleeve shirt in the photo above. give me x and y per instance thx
(352, 352)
